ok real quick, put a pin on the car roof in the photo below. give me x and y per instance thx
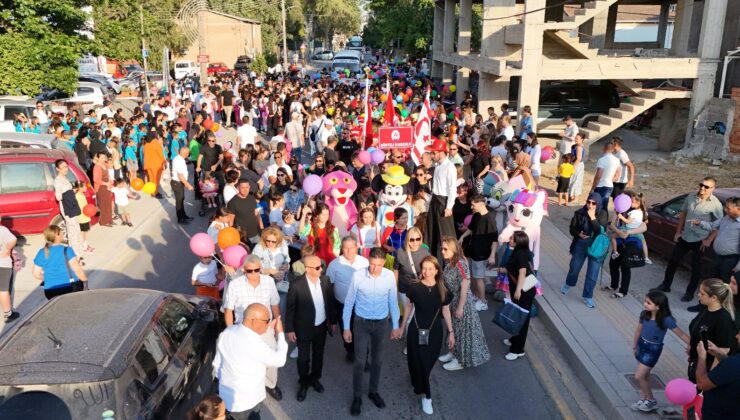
(46, 140)
(96, 330)
(49, 154)
(90, 84)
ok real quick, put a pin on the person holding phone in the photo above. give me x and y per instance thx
(481, 248)
(720, 385)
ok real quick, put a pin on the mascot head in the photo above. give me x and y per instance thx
(340, 186)
(395, 188)
(526, 208)
(498, 193)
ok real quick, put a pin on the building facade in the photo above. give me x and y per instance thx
(227, 37)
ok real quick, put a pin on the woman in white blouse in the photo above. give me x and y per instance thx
(366, 231)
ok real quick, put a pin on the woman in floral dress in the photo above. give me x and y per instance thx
(470, 344)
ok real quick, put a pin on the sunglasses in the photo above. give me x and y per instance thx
(280, 175)
(414, 239)
(445, 249)
(255, 270)
(270, 241)
(294, 190)
(705, 186)
(591, 202)
(314, 268)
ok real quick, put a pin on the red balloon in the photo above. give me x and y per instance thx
(90, 210)
(401, 84)
(207, 124)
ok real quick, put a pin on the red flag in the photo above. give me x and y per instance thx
(422, 131)
(389, 117)
(368, 123)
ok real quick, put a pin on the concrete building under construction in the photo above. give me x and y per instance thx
(529, 43)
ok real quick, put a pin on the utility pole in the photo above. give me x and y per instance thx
(144, 53)
(202, 41)
(285, 39)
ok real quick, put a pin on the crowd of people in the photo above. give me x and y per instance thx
(416, 267)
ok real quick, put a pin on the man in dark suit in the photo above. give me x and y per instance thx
(309, 314)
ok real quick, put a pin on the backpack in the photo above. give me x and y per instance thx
(600, 246)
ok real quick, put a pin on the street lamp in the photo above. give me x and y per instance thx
(285, 32)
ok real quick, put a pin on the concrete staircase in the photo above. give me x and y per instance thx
(617, 117)
(581, 16)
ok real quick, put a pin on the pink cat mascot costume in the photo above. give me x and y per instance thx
(338, 189)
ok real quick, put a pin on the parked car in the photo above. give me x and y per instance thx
(110, 87)
(86, 92)
(10, 106)
(185, 68)
(663, 219)
(242, 63)
(27, 200)
(217, 69)
(110, 353)
(28, 140)
(322, 55)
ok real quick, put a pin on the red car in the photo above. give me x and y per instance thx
(27, 202)
(217, 68)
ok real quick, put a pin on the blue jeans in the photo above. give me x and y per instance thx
(296, 152)
(605, 193)
(579, 255)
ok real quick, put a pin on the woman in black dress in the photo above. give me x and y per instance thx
(428, 300)
(518, 267)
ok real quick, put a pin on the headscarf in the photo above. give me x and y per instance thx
(594, 196)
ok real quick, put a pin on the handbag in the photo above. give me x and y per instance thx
(511, 317)
(424, 332)
(633, 255)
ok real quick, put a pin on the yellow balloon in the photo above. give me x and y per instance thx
(453, 88)
(149, 188)
(330, 111)
(215, 127)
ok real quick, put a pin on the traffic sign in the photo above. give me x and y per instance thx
(144, 53)
(203, 58)
(395, 137)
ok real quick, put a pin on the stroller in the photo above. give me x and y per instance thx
(209, 192)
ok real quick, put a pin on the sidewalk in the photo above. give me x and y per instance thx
(598, 342)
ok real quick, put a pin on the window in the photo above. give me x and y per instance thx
(673, 207)
(84, 90)
(22, 177)
(152, 358)
(70, 175)
(12, 110)
(176, 319)
(576, 97)
(551, 97)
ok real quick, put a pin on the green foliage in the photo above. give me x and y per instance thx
(118, 29)
(407, 24)
(271, 58)
(333, 17)
(258, 64)
(40, 41)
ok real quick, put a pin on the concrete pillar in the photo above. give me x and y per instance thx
(667, 138)
(662, 24)
(594, 31)
(437, 40)
(611, 27)
(448, 40)
(463, 47)
(492, 89)
(682, 27)
(710, 42)
(529, 87)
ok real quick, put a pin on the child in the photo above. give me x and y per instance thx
(655, 321)
(209, 189)
(277, 202)
(132, 164)
(565, 171)
(288, 225)
(223, 218)
(83, 219)
(635, 216)
(206, 278)
(120, 194)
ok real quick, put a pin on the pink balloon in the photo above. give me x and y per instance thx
(545, 155)
(377, 156)
(313, 184)
(364, 157)
(234, 255)
(680, 391)
(622, 203)
(202, 245)
(467, 220)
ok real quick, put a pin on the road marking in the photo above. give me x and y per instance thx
(549, 384)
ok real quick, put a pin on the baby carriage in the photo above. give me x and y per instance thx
(209, 192)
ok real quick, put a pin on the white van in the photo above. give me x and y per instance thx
(347, 59)
(185, 68)
(355, 43)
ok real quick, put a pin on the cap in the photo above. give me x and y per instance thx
(437, 145)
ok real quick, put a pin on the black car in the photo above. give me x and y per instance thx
(242, 63)
(110, 353)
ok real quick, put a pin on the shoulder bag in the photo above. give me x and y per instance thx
(424, 332)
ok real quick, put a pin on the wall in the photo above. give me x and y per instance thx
(226, 39)
(705, 140)
(735, 136)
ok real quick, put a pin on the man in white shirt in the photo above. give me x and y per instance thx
(568, 136)
(627, 176)
(294, 133)
(608, 170)
(444, 191)
(340, 272)
(245, 290)
(242, 357)
(246, 134)
(179, 183)
(272, 170)
(323, 137)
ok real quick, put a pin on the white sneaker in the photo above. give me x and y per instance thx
(426, 405)
(446, 358)
(453, 365)
(405, 351)
(481, 306)
(636, 406)
(507, 342)
(294, 353)
(513, 356)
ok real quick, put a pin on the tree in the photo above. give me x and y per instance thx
(118, 28)
(40, 41)
(400, 23)
(329, 17)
